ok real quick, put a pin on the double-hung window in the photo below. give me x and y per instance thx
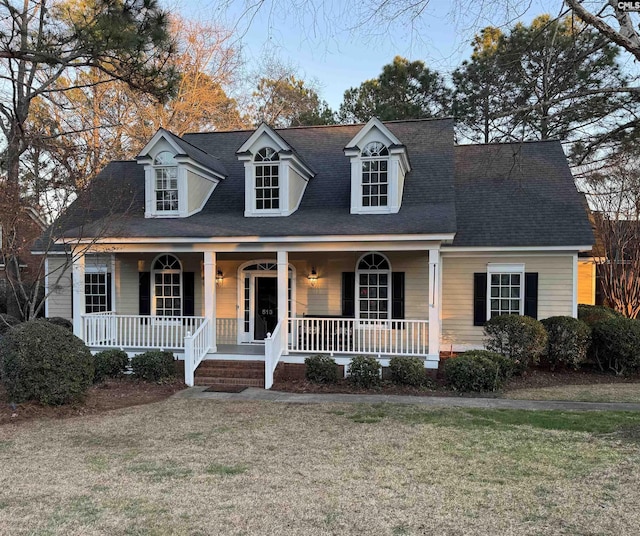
(373, 278)
(375, 175)
(96, 291)
(167, 286)
(166, 182)
(505, 289)
(267, 186)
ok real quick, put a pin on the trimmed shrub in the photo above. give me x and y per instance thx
(407, 371)
(592, 314)
(364, 371)
(110, 364)
(7, 322)
(154, 366)
(568, 341)
(62, 322)
(321, 369)
(505, 365)
(46, 363)
(520, 338)
(472, 373)
(617, 344)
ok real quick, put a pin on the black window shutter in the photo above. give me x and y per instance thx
(109, 298)
(144, 293)
(479, 298)
(397, 295)
(348, 294)
(531, 294)
(188, 300)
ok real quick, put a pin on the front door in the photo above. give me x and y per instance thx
(266, 309)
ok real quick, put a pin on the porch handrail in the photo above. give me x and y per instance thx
(196, 347)
(110, 330)
(273, 349)
(359, 336)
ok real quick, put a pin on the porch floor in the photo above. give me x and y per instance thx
(241, 349)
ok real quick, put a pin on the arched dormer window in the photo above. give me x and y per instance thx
(375, 178)
(166, 182)
(267, 185)
(167, 286)
(373, 277)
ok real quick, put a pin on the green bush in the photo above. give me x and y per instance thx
(568, 341)
(592, 314)
(617, 344)
(505, 365)
(7, 322)
(407, 371)
(110, 364)
(364, 371)
(473, 373)
(520, 338)
(44, 362)
(154, 366)
(62, 322)
(321, 369)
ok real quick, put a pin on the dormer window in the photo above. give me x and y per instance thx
(379, 165)
(375, 179)
(166, 182)
(267, 186)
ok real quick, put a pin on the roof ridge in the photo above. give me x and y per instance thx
(508, 142)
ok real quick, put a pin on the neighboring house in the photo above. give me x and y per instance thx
(383, 239)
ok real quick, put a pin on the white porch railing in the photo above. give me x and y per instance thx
(273, 348)
(138, 331)
(196, 347)
(354, 336)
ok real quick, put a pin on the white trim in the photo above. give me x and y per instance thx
(46, 287)
(112, 262)
(389, 273)
(374, 122)
(495, 268)
(263, 239)
(435, 305)
(263, 129)
(446, 250)
(574, 266)
(161, 134)
(153, 272)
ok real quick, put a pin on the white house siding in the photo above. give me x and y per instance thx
(198, 189)
(59, 301)
(296, 188)
(555, 292)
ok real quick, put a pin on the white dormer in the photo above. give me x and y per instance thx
(275, 177)
(379, 164)
(179, 178)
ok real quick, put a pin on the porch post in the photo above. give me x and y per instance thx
(210, 295)
(283, 298)
(77, 272)
(435, 308)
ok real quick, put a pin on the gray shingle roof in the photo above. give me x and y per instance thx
(198, 155)
(517, 194)
(495, 203)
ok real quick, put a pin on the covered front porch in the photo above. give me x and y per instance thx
(273, 307)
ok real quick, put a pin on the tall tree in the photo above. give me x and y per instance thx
(551, 79)
(287, 101)
(404, 90)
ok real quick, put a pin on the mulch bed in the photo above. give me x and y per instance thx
(533, 378)
(113, 394)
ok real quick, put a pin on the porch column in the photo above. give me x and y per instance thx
(77, 273)
(283, 298)
(210, 295)
(435, 308)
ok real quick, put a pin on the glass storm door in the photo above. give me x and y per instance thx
(266, 306)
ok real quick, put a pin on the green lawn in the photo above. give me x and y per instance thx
(599, 392)
(199, 467)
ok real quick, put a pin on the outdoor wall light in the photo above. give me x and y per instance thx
(219, 278)
(313, 277)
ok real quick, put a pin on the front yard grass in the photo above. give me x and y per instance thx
(199, 467)
(599, 392)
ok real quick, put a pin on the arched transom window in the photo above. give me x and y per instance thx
(167, 286)
(374, 295)
(375, 180)
(166, 182)
(267, 181)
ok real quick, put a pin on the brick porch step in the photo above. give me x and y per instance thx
(215, 372)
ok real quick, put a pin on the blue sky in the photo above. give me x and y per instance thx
(324, 49)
